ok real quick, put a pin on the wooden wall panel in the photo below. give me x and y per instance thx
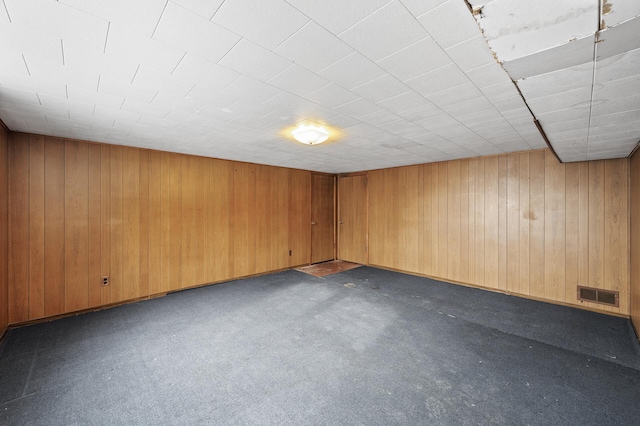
(555, 229)
(635, 241)
(299, 212)
(95, 226)
(144, 223)
(116, 227)
(155, 223)
(36, 226)
(19, 229)
(537, 227)
(536, 219)
(131, 224)
(616, 228)
(151, 221)
(221, 175)
(4, 228)
(76, 226)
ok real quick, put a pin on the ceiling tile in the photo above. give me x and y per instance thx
(298, 80)
(557, 81)
(488, 75)
(113, 114)
(500, 91)
(17, 40)
(204, 38)
(13, 62)
(612, 106)
(139, 16)
(114, 87)
(148, 78)
(255, 61)
(450, 23)
(358, 108)
(133, 47)
(93, 97)
(437, 80)
(619, 39)
(471, 54)
(205, 73)
(416, 59)
(351, 12)
(352, 71)
(420, 113)
(617, 67)
(313, 47)
(204, 8)
(577, 98)
(564, 56)
(516, 31)
(61, 74)
(250, 88)
(266, 22)
(403, 102)
(98, 62)
(14, 94)
(332, 96)
(58, 21)
(386, 31)
(32, 83)
(144, 108)
(617, 88)
(455, 95)
(381, 88)
(419, 7)
(559, 116)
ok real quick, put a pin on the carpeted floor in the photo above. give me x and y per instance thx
(364, 346)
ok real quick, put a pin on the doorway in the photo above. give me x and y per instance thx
(323, 218)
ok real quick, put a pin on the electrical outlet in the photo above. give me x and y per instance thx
(105, 280)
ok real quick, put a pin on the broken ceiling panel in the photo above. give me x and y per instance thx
(576, 63)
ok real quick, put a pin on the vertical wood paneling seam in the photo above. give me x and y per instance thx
(28, 195)
(64, 222)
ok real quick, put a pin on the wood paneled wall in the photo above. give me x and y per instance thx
(635, 241)
(520, 223)
(4, 229)
(152, 221)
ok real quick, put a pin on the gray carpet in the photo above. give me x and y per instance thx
(365, 346)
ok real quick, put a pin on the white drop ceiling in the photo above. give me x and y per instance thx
(403, 81)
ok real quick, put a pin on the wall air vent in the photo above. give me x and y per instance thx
(598, 295)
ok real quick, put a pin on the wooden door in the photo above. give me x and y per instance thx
(352, 219)
(322, 218)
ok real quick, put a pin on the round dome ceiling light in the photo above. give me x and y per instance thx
(310, 134)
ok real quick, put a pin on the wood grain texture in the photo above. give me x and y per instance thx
(221, 175)
(537, 227)
(36, 226)
(155, 223)
(4, 229)
(299, 212)
(131, 224)
(151, 221)
(635, 240)
(95, 226)
(76, 226)
(352, 214)
(19, 229)
(323, 215)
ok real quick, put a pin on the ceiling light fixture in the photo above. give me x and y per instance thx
(310, 134)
